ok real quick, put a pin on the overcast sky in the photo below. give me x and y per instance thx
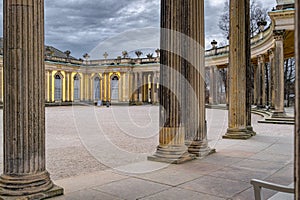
(97, 26)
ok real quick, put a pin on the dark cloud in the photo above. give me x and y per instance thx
(81, 25)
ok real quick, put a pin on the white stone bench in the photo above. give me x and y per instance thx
(284, 192)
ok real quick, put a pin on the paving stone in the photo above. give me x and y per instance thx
(233, 173)
(216, 186)
(178, 193)
(87, 195)
(132, 188)
(260, 165)
(88, 181)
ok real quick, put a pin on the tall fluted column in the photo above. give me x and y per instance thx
(213, 86)
(1, 85)
(239, 61)
(172, 148)
(262, 81)
(279, 74)
(272, 75)
(255, 82)
(24, 172)
(297, 103)
(195, 70)
(156, 78)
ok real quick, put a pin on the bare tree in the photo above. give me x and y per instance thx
(289, 80)
(257, 13)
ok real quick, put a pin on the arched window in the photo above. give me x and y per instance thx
(58, 88)
(76, 87)
(97, 88)
(114, 88)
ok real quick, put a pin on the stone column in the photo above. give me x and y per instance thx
(279, 74)
(261, 82)
(172, 148)
(156, 78)
(213, 93)
(255, 90)
(228, 86)
(1, 85)
(24, 173)
(239, 61)
(195, 70)
(258, 84)
(297, 103)
(272, 75)
(249, 75)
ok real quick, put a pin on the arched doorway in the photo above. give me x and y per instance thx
(76, 87)
(97, 88)
(58, 87)
(114, 85)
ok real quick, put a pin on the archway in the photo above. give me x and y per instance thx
(114, 88)
(77, 87)
(97, 88)
(58, 78)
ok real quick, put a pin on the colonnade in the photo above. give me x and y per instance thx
(71, 86)
(262, 94)
(183, 132)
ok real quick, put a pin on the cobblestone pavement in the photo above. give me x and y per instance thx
(101, 153)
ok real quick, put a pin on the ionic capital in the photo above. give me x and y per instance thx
(279, 35)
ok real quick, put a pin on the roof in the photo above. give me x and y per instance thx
(50, 50)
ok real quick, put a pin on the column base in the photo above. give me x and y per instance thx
(53, 192)
(251, 131)
(277, 114)
(27, 187)
(239, 134)
(172, 155)
(199, 148)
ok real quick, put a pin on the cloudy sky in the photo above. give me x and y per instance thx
(98, 26)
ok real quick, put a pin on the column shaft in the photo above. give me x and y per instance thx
(297, 103)
(255, 92)
(239, 61)
(172, 130)
(279, 74)
(24, 171)
(213, 86)
(1, 85)
(195, 70)
(272, 74)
